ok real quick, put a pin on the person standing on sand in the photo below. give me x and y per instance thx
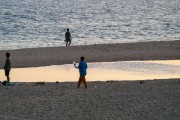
(68, 37)
(82, 70)
(7, 66)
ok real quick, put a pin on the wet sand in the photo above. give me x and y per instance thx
(35, 57)
(99, 71)
(125, 100)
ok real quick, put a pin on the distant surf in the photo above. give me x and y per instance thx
(31, 24)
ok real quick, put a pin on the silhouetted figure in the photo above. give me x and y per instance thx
(82, 70)
(7, 66)
(68, 37)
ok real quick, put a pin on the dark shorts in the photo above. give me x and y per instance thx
(7, 72)
(68, 40)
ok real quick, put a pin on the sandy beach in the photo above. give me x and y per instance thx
(35, 57)
(125, 100)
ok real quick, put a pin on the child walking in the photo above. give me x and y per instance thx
(82, 70)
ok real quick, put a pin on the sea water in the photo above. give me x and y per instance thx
(42, 23)
(100, 71)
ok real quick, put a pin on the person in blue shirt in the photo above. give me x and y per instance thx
(82, 71)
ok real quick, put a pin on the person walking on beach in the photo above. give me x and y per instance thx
(7, 66)
(68, 37)
(82, 70)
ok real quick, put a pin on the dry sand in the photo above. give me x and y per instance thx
(35, 57)
(125, 100)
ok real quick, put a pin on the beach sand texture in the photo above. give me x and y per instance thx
(125, 100)
(35, 57)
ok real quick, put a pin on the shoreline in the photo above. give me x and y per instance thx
(100, 71)
(37, 57)
(95, 81)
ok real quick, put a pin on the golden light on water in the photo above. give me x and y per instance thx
(125, 70)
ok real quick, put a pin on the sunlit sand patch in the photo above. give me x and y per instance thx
(169, 62)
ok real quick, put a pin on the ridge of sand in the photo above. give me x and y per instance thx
(35, 57)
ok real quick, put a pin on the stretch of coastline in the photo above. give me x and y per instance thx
(108, 100)
(36, 57)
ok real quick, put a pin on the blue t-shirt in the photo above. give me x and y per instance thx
(82, 68)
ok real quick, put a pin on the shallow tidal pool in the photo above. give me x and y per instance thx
(99, 71)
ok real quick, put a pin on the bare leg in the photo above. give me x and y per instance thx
(84, 81)
(69, 43)
(66, 43)
(79, 82)
(8, 79)
(7, 75)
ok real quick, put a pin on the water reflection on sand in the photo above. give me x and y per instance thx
(124, 70)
